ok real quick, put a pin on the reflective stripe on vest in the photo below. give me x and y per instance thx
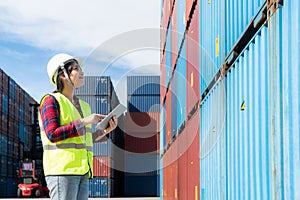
(67, 146)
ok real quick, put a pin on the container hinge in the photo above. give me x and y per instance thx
(273, 5)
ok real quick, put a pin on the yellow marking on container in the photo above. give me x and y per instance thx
(243, 106)
(192, 79)
(169, 132)
(217, 47)
(208, 1)
(164, 192)
(196, 192)
(175, 193)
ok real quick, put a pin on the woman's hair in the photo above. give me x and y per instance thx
(68, 67)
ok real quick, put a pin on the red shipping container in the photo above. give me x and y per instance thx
(163, 86)
(168, 117)
(183, 176)
(142, 122)
(142, 142)
(174, 47)
(101, 166)
(193, 158)
(4, 124)
(189, 4)
(193, 91)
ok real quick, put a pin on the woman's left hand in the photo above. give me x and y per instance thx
(113, 122)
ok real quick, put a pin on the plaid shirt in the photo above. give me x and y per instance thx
(51, 122)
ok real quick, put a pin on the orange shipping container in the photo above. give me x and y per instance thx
(193, 62)
(101, 166)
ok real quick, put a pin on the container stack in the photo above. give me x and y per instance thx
(229, 99)
(142, 136)
(99, 92)
(16, 133)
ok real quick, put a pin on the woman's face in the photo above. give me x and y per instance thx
(76, 75)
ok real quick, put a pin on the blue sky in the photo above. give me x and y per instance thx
(116, 37)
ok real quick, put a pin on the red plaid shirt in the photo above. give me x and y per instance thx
(51, 122)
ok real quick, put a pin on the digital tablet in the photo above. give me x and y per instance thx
(117, 111)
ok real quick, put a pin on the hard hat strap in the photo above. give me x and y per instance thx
(66, 75)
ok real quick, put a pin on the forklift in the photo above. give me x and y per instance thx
(32, 182)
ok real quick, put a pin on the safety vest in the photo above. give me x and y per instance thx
(72, 156)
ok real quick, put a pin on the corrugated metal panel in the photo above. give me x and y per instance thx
(163, 132)
(143, 103)
(243, 11)
(168, 52)
(180, 81)
(3, 186)
(12, 187)
(101, 166)
(95, 85)
(102, 148)
(100, 187)
(142, 142)
(284, 100)
(141, 163)
(168, 117)
(103, 104)
(189, 4)
(143, 85)
(145, 186)
(193, 157)
(3, 169)
(212, 39)
(212, 153)
(174, 43)
(4, 104)
(181, 22)
(174, 103)
(192, 62)
(163, 86)
(142, 122)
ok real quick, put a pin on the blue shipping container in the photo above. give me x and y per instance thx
(99, 187)
(141, 186)
(143, 85)
(102, 148)
(143, 103)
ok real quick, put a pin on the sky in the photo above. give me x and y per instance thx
(116, 38)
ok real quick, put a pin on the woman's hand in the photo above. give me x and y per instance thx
(92, 119)
(113, 122)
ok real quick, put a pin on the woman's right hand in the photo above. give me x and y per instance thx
(92, 119)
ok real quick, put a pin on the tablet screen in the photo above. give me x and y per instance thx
(117, 111)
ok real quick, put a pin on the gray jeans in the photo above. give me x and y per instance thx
(68, 187)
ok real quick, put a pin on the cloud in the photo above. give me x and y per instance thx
(75, 26)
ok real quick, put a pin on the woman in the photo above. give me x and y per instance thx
(65, 123)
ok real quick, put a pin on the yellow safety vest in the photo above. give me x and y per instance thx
(72, 156)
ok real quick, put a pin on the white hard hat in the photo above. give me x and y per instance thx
(56, 61)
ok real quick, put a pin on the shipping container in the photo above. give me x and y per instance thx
(95, 85)
(100, 187)
(3, 186)
(12, 187)
(102, 148)
(192, 62)
(141, 186)
(143, 164)
(139, 122)
(102, 166)
(143, 85)
(143, 103)
(180, 89)
(142, 142)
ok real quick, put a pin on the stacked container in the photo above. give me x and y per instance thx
(242, 77)
(99, 92)
(16, 133)
(142, 136)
